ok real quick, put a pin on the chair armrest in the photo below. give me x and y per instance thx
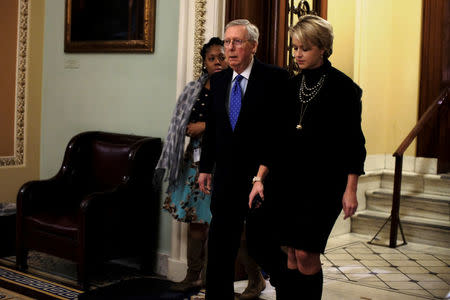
(37, 195)
(106, 199)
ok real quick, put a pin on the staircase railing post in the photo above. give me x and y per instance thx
(395, 219)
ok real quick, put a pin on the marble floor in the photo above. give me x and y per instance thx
(354, 269)
(9, 295)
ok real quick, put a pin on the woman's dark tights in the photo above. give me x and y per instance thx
(303, 278)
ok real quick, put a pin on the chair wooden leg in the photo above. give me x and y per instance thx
(82, 275)
(21, 258)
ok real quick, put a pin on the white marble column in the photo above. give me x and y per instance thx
(213, 12)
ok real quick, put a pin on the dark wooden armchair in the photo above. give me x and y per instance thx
(99, 206)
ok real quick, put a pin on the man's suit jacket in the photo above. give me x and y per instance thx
(235, 156)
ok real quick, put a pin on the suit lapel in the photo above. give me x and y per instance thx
(223, 97)
(252, 83)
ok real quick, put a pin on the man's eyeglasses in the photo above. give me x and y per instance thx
(237, 43)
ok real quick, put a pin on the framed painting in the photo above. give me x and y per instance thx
(110, 26)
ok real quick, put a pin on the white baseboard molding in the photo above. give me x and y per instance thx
(176, 269)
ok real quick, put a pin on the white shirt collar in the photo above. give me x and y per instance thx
(246, 72)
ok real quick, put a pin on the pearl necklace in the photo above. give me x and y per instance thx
(306, 95)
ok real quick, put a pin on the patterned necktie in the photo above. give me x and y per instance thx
(235, 101)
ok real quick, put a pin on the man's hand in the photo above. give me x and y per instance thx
(258, 188)
(204, 182)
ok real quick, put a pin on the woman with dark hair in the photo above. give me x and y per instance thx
(184, 201)
(323, 155)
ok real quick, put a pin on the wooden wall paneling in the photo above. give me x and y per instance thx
(279, 51)
(322, 8)
(271, 18)
(433, 78)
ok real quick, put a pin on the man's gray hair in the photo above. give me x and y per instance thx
(252, 30)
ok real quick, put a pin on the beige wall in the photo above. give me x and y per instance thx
(11, 178)
(341, 14)
(377, 43)
(8, 51)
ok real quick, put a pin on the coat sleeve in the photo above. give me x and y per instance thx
(272, 119)
(354, 137)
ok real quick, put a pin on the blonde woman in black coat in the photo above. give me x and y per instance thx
(322, 155)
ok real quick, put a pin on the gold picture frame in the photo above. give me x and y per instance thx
(110, 26)
(21, 80)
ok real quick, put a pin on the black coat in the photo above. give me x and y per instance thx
(311, 174)
(331, 141)
(235, 156)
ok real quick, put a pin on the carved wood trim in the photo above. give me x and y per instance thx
(199, 35)
(21, 75)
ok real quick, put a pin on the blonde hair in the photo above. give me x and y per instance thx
(312, 29)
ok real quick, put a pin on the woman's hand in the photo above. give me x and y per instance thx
(205, 182)
(349, 203)
(258, 188)
(195, 129)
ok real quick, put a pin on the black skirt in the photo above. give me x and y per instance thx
(307, 214)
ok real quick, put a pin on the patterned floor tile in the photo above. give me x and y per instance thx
(441, 294)
(404, 263)
(418, 292)
(375, 263)
(40, 285)
(403, 269)
(441, 270)
(347, 263)
(337, 276)
(444, 277)
(433, 285)
(354, 270)
(383, 250)
(340, 251)
(379, 284)
(339, 256)
(413, 270)
(384, 270)
(393, 277)
(431, 263)
(366, 256)
(442, 256)
(393, 256)
(331, 270)
(399, 285)
(363, 277)
(420, 256)
(361, 250)
(424, 277)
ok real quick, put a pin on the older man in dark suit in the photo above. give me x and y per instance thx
(236, 142)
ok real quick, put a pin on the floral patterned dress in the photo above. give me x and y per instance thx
(187, 203)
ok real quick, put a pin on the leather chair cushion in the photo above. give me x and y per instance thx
(60, 224)
(109, 164)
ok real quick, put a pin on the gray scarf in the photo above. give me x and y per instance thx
(171, 158)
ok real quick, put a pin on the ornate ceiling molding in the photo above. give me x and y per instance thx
(21, 73)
